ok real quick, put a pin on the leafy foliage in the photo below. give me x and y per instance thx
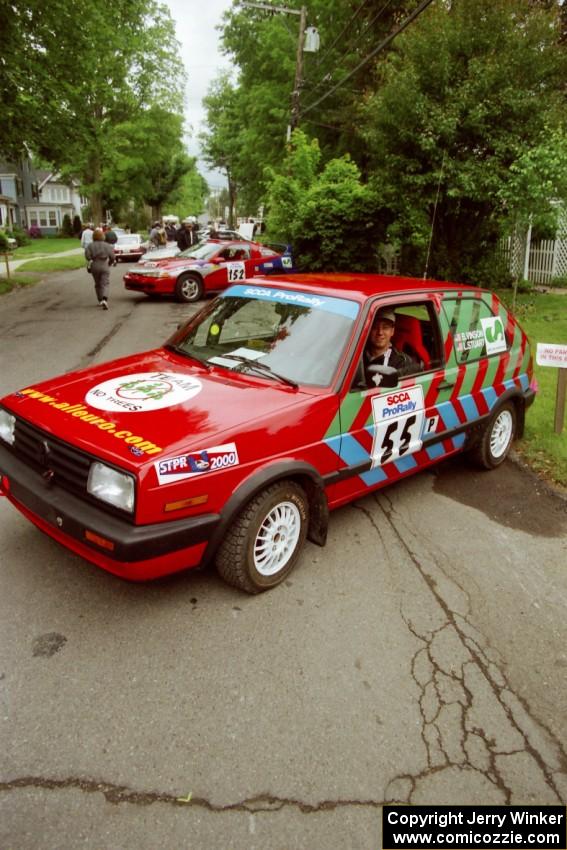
(330, 217)
(71, 72)
(457, 130)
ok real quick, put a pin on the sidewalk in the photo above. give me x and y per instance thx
(15, 263)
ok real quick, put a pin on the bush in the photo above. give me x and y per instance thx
(34, 232)
(4, 245)
(559, 282)
(20, 236)
(77, 226)
(66, 227)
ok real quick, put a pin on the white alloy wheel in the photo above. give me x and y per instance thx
(277, 538)
(502, 433)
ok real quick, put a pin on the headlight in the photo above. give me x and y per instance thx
(7, 426)
(109, 485)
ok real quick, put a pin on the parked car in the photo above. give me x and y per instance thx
(207, 267)
(128, 246)
(232, 442)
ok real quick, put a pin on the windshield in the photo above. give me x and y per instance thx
(298, 335)
(202, 251)
(128, 240)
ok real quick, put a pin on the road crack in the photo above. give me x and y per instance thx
(121, 794)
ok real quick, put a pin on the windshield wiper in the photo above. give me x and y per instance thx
(182, 351)
(262, 368)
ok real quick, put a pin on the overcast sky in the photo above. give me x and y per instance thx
(195, 22)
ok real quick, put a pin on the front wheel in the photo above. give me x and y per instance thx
(263, 544)
(188, 288)
(497, 437)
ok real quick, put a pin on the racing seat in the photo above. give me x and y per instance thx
(408, 338)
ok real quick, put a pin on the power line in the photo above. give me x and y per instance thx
(328, 76)
(342, 32)
(422, 6)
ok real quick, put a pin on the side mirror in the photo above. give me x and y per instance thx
(390, 376)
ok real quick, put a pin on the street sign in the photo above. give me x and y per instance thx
(552, 354)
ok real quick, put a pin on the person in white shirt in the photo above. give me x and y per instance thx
(87, 236)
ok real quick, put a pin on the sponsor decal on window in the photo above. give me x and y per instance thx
(493, 330)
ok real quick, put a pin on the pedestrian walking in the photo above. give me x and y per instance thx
(100, 256)
(86, 236)
(110, 236)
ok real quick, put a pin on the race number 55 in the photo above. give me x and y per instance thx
(398, 424)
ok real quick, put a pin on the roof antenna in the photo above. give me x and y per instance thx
(434, 216)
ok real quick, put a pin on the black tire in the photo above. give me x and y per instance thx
(279, 515)
(497, 437)
(189, 288)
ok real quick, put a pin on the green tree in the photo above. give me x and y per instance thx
(72, 71)
(190, 197)
(330, 217)
(456, 128)
(145, 160)
(221, 142)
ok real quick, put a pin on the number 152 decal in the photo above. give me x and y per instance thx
(398, 424)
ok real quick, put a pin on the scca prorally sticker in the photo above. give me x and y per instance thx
(493, 330)
(196, 463)
(143, 391)
(398, 424)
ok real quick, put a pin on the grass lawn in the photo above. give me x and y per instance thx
(47, 245)
(55, 264)
(17, 279)
(544, 318)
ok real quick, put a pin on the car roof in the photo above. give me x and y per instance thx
(358, 286)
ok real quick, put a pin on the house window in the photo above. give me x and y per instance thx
(52, 218)
(19, 187)
(43, 218)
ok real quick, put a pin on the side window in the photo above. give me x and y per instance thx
(477, 332)
(411, 340)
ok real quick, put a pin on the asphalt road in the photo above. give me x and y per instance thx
(421, 656)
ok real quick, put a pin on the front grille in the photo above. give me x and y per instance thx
(59, 463)
(44, 453)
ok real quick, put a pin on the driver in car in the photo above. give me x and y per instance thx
(379, 350)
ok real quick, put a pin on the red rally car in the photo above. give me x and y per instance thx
(233, 441)
(208, 267)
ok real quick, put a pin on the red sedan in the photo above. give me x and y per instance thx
(208, 267)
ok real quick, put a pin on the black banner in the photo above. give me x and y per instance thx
(479, 827)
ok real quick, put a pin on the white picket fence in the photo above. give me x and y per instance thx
(539, 262)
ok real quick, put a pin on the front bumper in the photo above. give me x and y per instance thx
(134, 551)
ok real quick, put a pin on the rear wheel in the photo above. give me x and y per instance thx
(188, 288)
(497, 437)
(264, 542)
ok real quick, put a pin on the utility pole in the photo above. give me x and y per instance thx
(298, 70)
(299, 57)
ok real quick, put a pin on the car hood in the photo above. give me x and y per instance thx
(148, 406)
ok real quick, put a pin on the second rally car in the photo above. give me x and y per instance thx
(208, 267)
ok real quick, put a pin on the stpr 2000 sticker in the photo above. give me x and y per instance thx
(196, 463)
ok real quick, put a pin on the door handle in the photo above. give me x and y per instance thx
(446, 385)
